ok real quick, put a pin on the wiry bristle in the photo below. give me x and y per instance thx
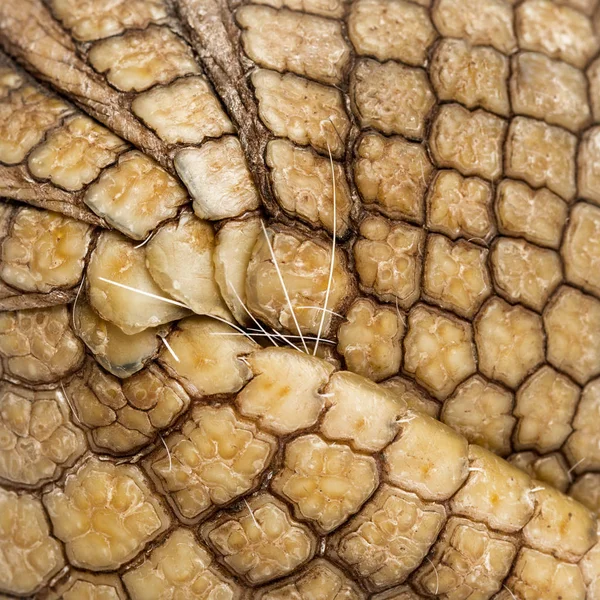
(333, 238)
(142, 292)
(283, 287)
(252, 317)
(168, 347)
(437, 576)
(168, 453)
(66, 397)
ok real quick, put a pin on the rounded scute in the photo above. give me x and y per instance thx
(217, 458)
(105, 514)
(39, 437)
(82, 585)
(510, 341)
(285, 392)
(289, 280)
(123, 416)
(572, 321)
(38, 346)
(30, 554)
(119, 353)
(260, 542)
(207, 356)
(121, 289)
(371, 339)
(326, 482)
(180, 567)
(44, 251)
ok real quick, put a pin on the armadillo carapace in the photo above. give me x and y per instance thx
(283, 283)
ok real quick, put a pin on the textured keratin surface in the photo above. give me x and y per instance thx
(403, 195)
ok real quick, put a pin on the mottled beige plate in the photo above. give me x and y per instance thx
(300, 299)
